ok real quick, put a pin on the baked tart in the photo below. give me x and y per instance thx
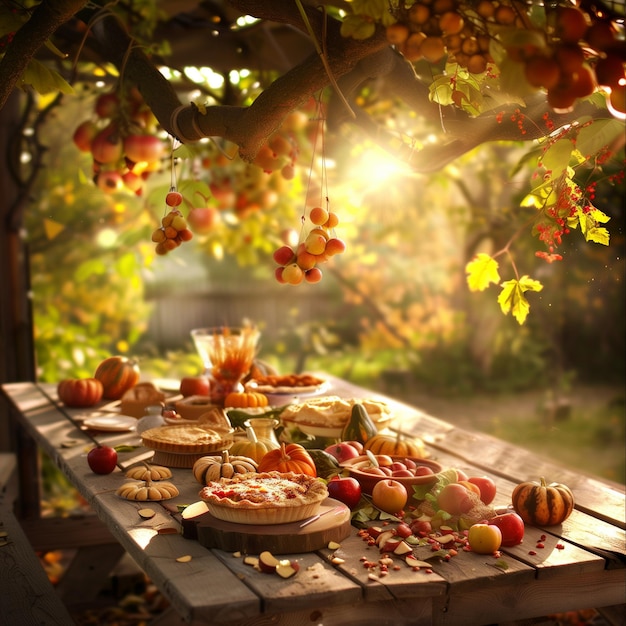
(138, 398)
(181, 445)
(265, 498)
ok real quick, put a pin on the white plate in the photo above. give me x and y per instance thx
(113, 423)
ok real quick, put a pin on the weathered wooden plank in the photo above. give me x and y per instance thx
(492, 605)
(316, 584)
(28, 597)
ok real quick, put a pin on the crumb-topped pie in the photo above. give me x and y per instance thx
(187, 439)
(265, 498)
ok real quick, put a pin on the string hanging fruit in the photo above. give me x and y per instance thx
(174, 229)
(317, 241)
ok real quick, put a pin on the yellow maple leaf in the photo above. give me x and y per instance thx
(512, 298)
(481, 271)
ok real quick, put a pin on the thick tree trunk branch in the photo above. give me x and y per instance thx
(46, 19)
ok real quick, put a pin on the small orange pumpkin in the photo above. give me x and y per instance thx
(395, 446)
(80, 392)
(539, 504)
(245, 399)
(291, 457)
(117, 375)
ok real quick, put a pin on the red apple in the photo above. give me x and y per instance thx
(346, 490)
(342, 451)
(203, 219)
(106, 146)
(356, 444)
(422, 470)
(404, 530)
(102, 459)
(511, 526)
(143, 148)
(421, 527)
(194, 386)
(486, 486)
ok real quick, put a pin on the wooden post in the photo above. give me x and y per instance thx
(17, 360)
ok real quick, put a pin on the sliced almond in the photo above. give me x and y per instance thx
(184, 559)
(146, 513)
(336, 560)
(333, 545)
(237, 554)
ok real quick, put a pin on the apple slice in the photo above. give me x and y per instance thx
(287, 568)
(391, 544)
(267, 562)
(411, 561)
(384, 537)
(251, 560)
(194, 509)
(374, 531)
(403, 548)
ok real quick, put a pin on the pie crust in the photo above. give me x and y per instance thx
(187, 439)
(192, 407)
(333, 412)
(265, 498)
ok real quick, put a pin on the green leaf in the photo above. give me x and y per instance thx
(513, 300)
(441, 91)
(45, 80)
(592, 138)
(557, 157)
(481, 272)
(357, 27)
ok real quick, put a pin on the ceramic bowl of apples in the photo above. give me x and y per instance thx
(369, 469)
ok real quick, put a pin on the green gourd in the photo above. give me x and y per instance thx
(360, 426)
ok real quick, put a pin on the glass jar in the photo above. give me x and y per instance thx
(264, 430)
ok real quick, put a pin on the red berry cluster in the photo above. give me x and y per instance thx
(121, 139)
(173, 230)
(316, 245)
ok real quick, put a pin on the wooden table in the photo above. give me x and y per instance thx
(589, 570)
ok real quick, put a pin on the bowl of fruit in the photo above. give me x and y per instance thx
(368, 469)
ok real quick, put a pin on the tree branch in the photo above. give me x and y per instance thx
(45, 20)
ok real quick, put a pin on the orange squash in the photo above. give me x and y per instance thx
(245, 399)
(117, 375)
(291, 457)
(539, 504)
(395, 446)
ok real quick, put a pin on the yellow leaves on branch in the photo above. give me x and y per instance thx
(482, 271)
(513, 300)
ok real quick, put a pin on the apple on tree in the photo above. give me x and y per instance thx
(102, 459)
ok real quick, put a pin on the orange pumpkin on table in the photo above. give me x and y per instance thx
(290, 457)
(117, 375)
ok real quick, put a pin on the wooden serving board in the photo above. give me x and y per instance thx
(277, 538)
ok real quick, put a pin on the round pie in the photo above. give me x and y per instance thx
(187, 439)
(333, 412)
(265, 498)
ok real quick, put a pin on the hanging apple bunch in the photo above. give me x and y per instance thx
(121, 137)
(174, 229)
(567, 51)
(317, 243)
